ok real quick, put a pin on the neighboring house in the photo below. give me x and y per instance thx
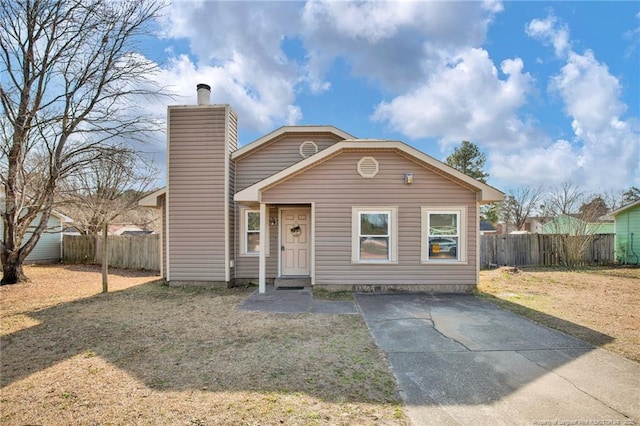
(487, 228)
(535, 224)
(312, 203)
(49, 246)
(124, 229)
(137, 233)
(572, 225)
(115, 229)
(627, 229)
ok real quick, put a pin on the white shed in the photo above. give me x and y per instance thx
(49, 247)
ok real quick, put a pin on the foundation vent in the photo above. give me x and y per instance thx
(368, 167)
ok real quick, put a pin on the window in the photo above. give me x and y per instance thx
(443, 236)
(374, 235)
(249, 231)
(252, 231)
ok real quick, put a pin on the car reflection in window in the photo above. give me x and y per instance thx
(443, 248)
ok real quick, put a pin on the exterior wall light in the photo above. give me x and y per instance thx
(408, 178)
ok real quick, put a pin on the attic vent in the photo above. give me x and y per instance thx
(368, 167)
(308, 148)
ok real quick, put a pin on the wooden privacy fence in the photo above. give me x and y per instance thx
(131, 252)
(544, 249)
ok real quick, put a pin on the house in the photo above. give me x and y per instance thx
(575, 225)
(125, 229)
(487, 228)
(312, 203)
(627, 229)
(535, 224)
(49, 246)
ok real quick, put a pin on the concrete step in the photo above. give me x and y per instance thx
(288, 282)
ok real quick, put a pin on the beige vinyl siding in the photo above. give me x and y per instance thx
(247, 265)
(276, 156)
(196, 198)
(335, 186)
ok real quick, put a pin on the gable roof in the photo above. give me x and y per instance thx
(61, 217)
(624, 208)
(241, 152)
(487, 193)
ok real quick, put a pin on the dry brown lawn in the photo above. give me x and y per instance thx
(597, 305)
(146, 353)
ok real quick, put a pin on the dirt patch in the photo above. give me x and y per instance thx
(146, 353)
(598, 305)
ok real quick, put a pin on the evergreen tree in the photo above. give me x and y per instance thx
(469, 160)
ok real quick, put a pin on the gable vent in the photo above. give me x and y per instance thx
(368, 167)
(308, 148)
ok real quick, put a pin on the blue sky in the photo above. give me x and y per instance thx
(549, 91)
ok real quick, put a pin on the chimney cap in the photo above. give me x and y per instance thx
(203, 86)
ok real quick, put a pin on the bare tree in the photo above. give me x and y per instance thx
(574, 216)
(105, 189)
(70, 92)
(518, 205)
(617, 199)
(564, 199)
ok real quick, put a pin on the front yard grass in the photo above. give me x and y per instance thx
(146, 353)
(597, 305)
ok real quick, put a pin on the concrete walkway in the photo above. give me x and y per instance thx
(460, 360)
(289, 301)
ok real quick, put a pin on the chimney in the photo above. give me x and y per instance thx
(204, 94)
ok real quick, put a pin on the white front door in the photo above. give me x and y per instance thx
(295, 242)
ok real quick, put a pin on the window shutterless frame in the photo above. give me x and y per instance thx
(374, 235)
(444, 235)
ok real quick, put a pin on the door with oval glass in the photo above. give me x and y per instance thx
(294, 253)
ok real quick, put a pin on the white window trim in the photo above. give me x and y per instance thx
(461, 211)
(393, 236)
(243, 233)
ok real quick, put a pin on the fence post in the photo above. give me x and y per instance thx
(105, 258)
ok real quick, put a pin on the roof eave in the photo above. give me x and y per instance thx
(151, 200)
(486, 193)
(245, 150)
(624, 208)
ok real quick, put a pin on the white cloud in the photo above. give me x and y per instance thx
(270, 102)
(551, 31)
(590, 93)
(430, 58)
(536, 165)
(605, 150)
(236, 48)
(464, 99)
(592, 99)
(385, 41)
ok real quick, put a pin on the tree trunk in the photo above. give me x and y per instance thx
(12, 272)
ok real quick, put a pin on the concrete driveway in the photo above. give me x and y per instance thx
(461, 360)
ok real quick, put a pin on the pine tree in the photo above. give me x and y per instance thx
(469, 160)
